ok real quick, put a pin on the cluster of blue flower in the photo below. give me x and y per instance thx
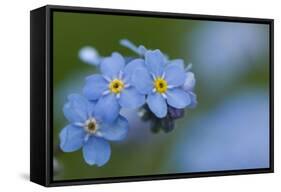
(161, 87)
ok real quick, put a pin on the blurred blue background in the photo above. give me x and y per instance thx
(229, 128)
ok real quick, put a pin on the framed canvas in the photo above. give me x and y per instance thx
(119, 95)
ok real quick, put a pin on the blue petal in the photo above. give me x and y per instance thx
(111, 66)
(91, 107)
(94, 87)
(107, 108)
(76, 109)
(174, 75)
(71, 138)
(178, 98)
(142, 80)
(96, 151)
(177, 62)
(115, 131)
(193, 98)
(131, 67)
(131, 98)
(189, 81)
(157, 105)
(89, 55)
(154, 61)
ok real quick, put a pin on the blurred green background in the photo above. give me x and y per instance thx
(231, 66)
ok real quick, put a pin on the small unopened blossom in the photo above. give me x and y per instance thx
(188, 87)
(90, 55)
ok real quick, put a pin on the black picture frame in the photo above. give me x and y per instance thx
(41, 99)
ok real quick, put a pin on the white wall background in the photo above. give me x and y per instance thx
(14, 94)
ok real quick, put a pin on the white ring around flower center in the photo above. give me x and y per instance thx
(91, 126)
(116, 85)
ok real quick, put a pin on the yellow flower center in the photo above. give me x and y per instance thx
(160, 85)
(116, 86)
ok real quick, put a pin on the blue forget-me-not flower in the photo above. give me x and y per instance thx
(190, 79)
(94, 119)
(162, 82)
(88, 130)
(113, 88)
